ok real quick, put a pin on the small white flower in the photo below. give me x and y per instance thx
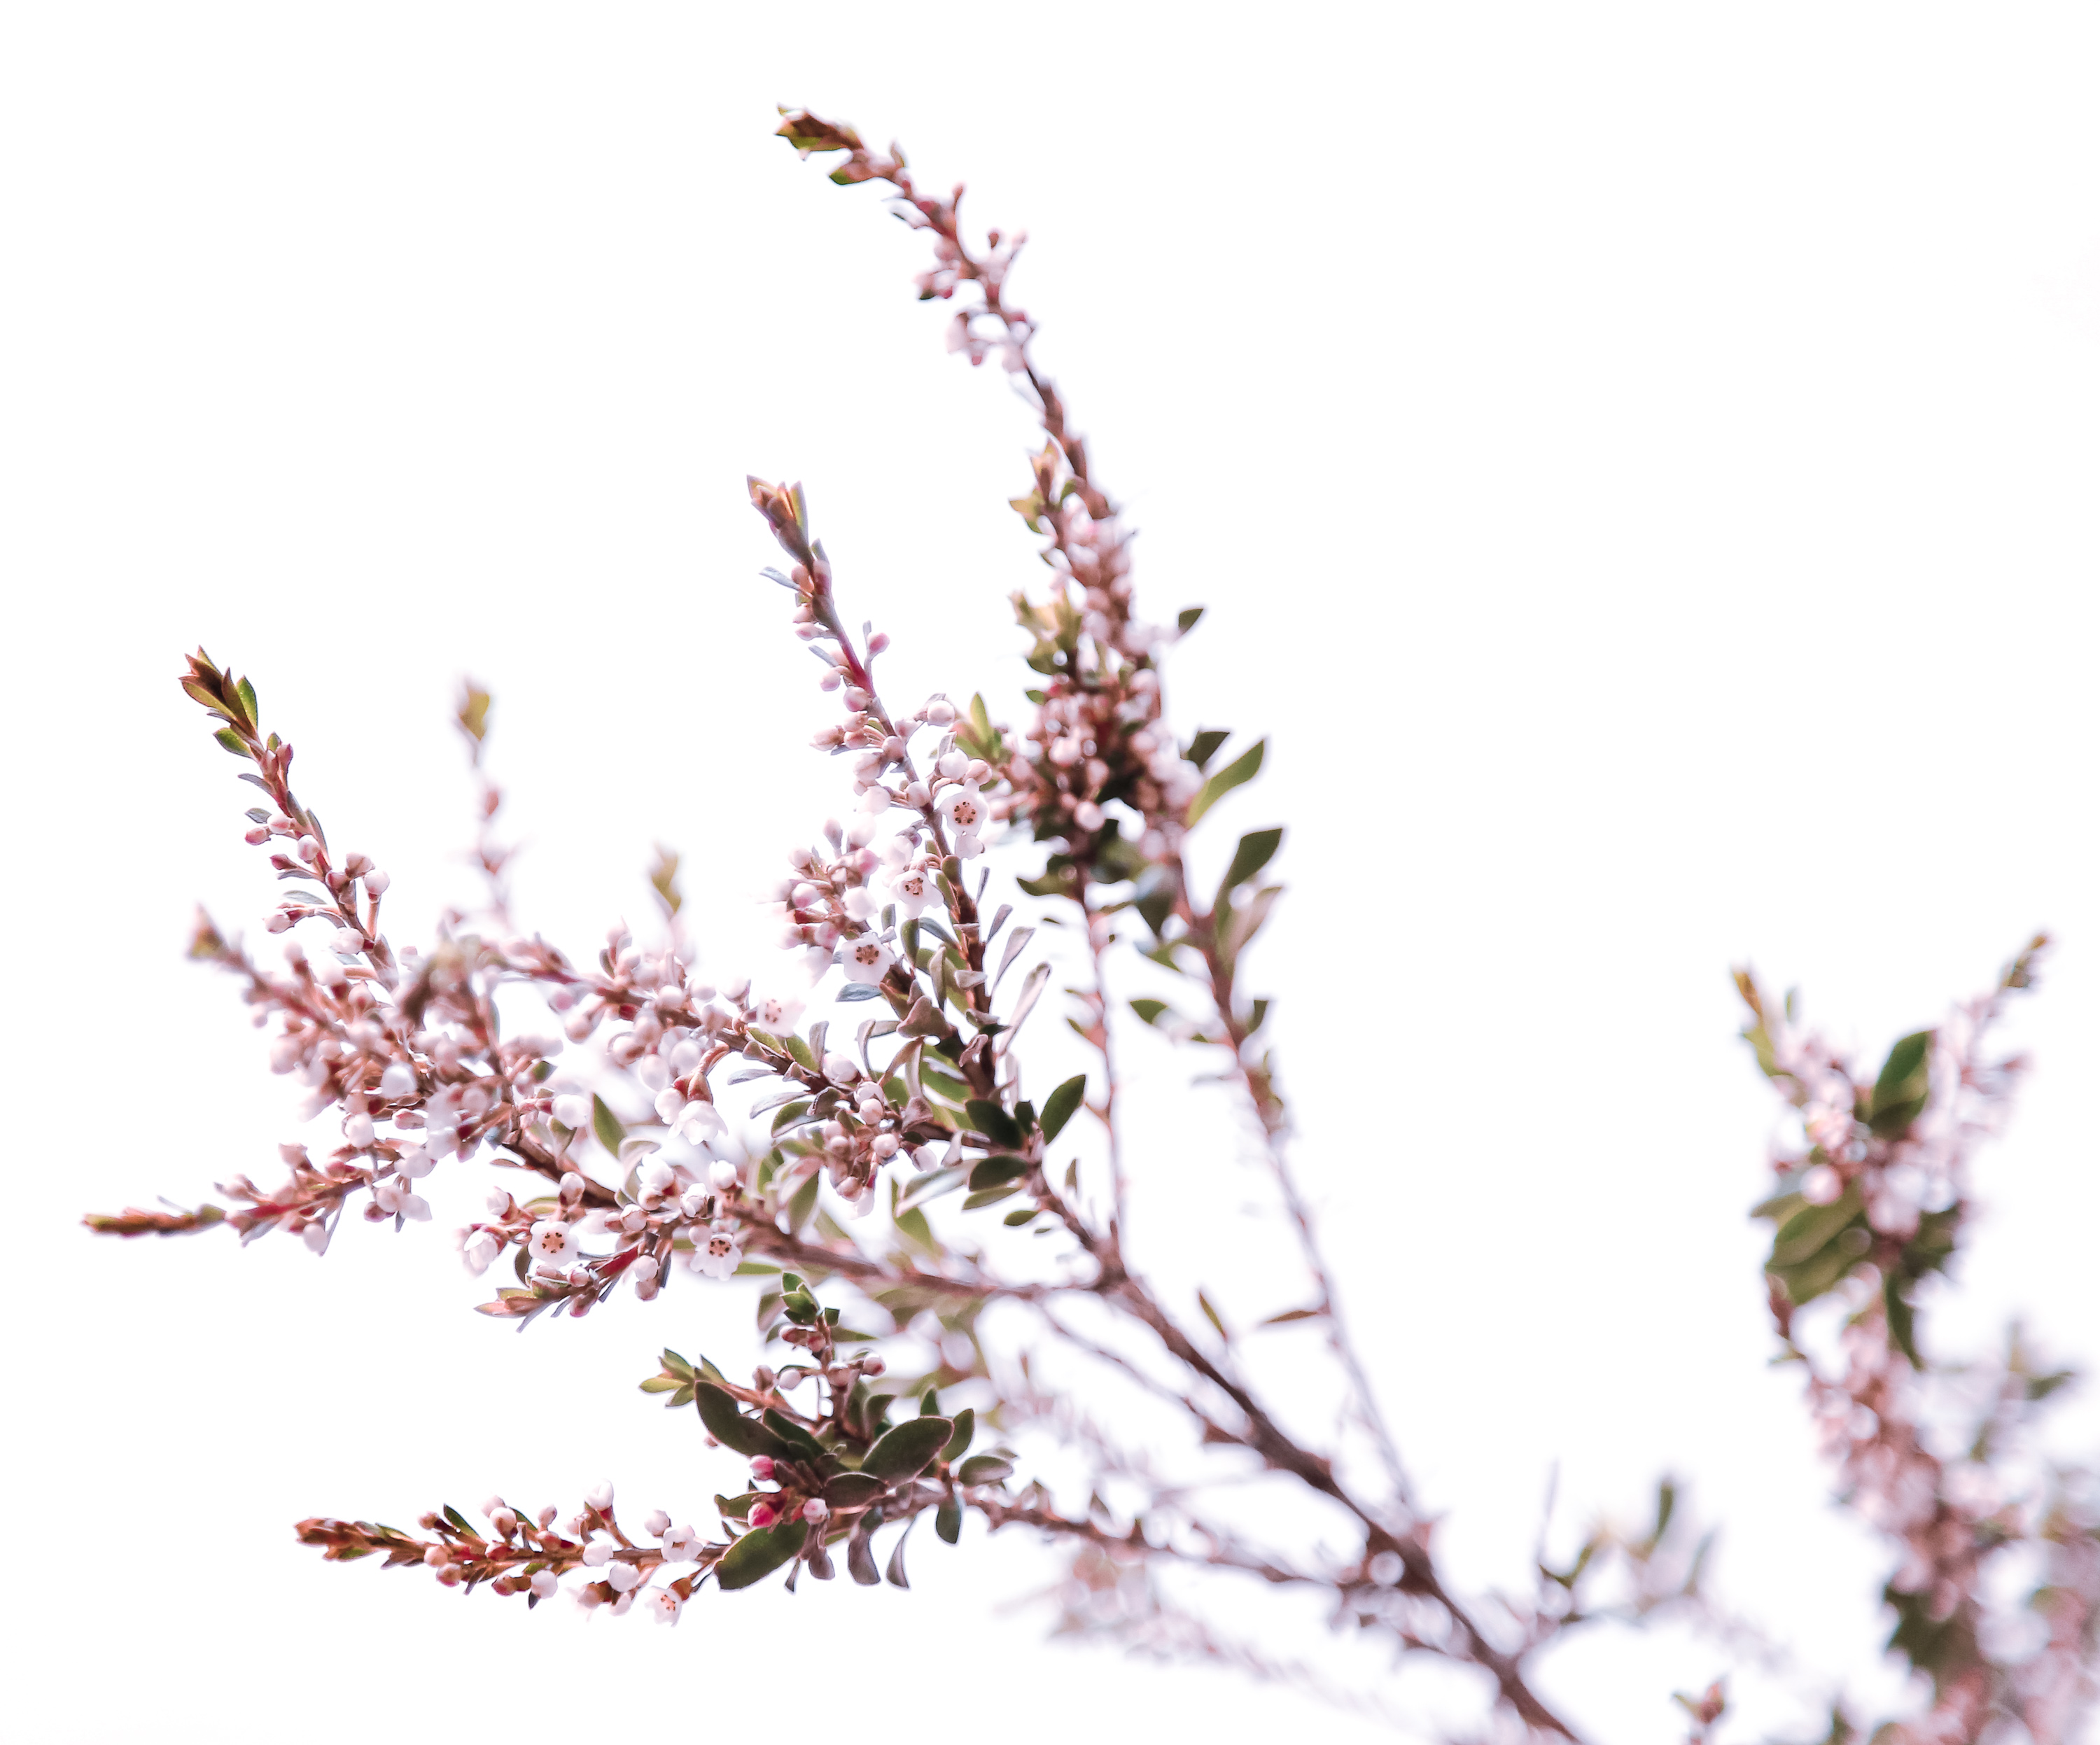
(877, 799)
(654, 1071)
(315, 1235)
(964, 805)
(866, 959)
(723, 1174)
(776, 1016)
(599, 1495)
(416, 1164)
(572, 1111)
(644, 1269)
(911, 891)
(718, 1257)
(599, 1554)
(698, 1122)
(841, 1069)
(376, 881)
(480, 1252)
(399, 1080)
(551, 1243)
(357, 1131)
(953, 765)
(682, 1545)
(411, 1206)
(694, 1202)
(817, 962)
(657, 1177)
(546, 1585)
(655, 1522)
(386, 1196)
(859, 902)
(661, 1604)
(498, 1202)
(621, 1577)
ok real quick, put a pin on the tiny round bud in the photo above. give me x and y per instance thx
(376, 881)
(761, 1469)
(656, 1524)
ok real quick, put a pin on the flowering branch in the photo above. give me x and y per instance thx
(844, 1165)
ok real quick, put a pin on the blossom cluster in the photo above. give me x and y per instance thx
(1872, 1192)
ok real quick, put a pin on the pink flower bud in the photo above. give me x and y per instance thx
(762, 1515)
(761, 1469)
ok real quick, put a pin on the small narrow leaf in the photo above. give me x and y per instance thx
(1242, 768)
(1255, 851)
(757, 1555)
(606, 1125)
(1061, 1104)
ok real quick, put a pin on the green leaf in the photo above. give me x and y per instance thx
(1805, 1234)
(1188, 618)
(966, 1428)
(677, 1364)
(989, 1197)
(1291, 1314)
(1154, 901)
(948, 1519)
(661, 1385)
(732, 1430)
(248, 702)
(1242, 768)
(606, 1125)
(1061, 1104)
(793, 1434)
(1149, 1009)
(459, 1521)
(996, 1172)
(985, 1468)
(1904, 1086)
(1257, 848)
(909, 1449)
(1204, 747)
(233, 741)
(1903, 1325)
(1211, 1314)
(853, 1490)
(757, 1555)
(804, 1202)
(993, 1121)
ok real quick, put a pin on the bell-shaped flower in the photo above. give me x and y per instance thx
(963, 807)
(698, 1122)
(866, 959)
(777, 1017)
(660, 1603)
(682, 1545)
(912, 890)
(717, 1257)
(480, 1250)
(552, 1244)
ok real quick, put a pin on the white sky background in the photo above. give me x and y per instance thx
(1640, 463)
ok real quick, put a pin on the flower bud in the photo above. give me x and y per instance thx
(761, 1469)
(599, 1497)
